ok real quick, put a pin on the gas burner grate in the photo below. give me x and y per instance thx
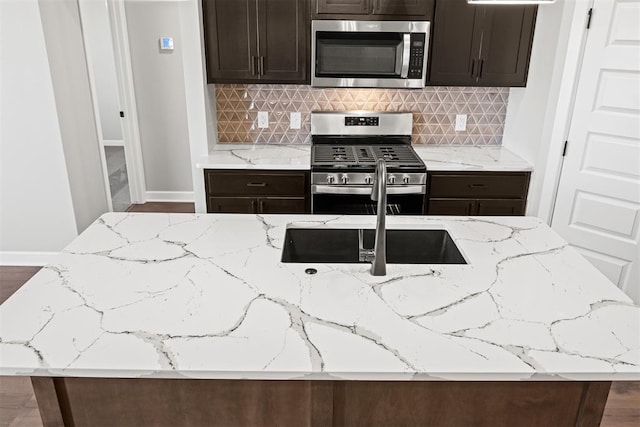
(396, 154)
(364, 155)
(345, 155)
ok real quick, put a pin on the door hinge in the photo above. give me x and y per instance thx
(589, 15)
(121, 113)
(564, 149)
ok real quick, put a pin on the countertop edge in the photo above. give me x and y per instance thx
(323, 376)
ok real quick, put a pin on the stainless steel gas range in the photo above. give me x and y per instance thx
(345, 148)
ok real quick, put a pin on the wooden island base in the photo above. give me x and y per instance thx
(188, 402)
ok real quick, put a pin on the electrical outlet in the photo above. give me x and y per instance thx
(461, 122)
(295, 121)
(263, 119)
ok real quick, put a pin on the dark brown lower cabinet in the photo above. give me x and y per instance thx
(273, 205)
(466, 207)
(257, 191)
(101, 402)
(477, 193)
(500, 207)
(256, 205)
(462, 207)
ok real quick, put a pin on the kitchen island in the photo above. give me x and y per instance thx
(170, 319)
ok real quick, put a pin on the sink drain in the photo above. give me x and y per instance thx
(311, 271)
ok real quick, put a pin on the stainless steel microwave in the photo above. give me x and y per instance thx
(369, 53)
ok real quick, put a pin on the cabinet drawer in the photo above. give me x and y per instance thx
(477, 186)
(240, 183)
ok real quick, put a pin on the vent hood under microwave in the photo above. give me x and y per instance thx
(383, 54)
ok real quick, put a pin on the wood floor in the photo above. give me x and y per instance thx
(18, 407)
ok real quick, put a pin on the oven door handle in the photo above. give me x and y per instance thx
(406, 56)
(365, 191)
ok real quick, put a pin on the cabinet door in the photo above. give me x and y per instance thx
(283, 26)
(451, 207)
(342, 7)
(282, 205)
(506, 45)
(232, 204)
(230, 33)
(455, 49)
(421, 8)
(500, 207)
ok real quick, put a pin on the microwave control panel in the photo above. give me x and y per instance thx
(416, 60)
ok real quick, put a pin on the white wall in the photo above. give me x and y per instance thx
(532, 111)
(194, 86)
(160, 95)
(68, 66)
(36, 210)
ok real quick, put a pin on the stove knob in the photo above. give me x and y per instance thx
(392, 179)
(344, 179)
(406, 179)
(330, 179)
(367, 179)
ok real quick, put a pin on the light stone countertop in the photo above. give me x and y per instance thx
(455, 158)
(258, 156)
(206, 296)
(297, 157)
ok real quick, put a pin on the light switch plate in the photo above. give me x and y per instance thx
(461, 122)
(263, 119)
(295, 121)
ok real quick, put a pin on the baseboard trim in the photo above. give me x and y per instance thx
(28, 258)
(169, 196)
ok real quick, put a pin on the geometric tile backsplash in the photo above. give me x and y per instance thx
(434, 110)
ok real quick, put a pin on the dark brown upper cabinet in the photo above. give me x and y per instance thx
(481, 45)
(256, 41)
(373, 9)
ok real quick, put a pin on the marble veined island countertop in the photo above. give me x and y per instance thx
(454, 158)
(206, 296)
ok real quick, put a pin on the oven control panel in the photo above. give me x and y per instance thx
(361, 121)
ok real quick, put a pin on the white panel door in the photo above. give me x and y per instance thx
(598, 201)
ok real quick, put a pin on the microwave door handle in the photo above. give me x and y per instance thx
(406, 56)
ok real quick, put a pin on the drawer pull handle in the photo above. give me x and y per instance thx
(477, 185)
(256, 184)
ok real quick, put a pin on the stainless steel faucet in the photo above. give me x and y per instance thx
(379, 194)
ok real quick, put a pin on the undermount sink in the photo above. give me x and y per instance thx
(347, 245)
